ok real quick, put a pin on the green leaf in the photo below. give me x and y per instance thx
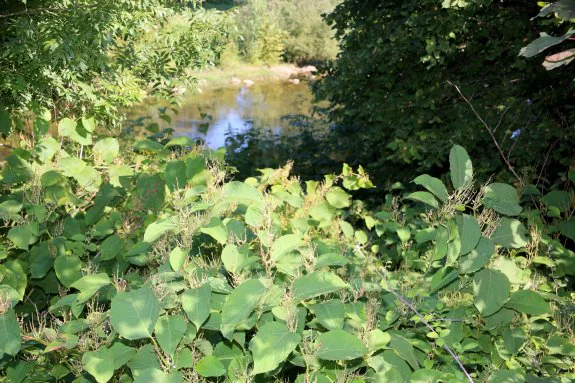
(559, 199)
(543, 42)
(434, 185)
(121, 354)
(156, 229)
(510, 234)
(24, 236)
(69, 128)
(469, 233)
(478, 257)
(232, 258)
(46, 149)
(99, 364)
(528, 302)
(10, 334)
(155, 375)
(404, 349)
(460, 167)
(330, 259)
(106, 150)
(89, 285)
(508, 376)
(197, 304)
(490, 291)
(170, 330)
(209, 367)
(338, 198)
(175, 175)
(216, 229)
(240, 192)
(330, 314)
(316, 283)
(240, 304)
(148, 145)
(134, 313)
(178, 258)
(180, 141)
(271, 346)
(425, 197)
(339, 345)
(502, 198)
(150, 191)
(111, 247)
(68, 269)
(284, 245)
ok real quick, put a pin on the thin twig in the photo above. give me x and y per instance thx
(426, 323)
(490, 131)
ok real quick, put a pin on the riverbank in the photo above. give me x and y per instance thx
(248, 75)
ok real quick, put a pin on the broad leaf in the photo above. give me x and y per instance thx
(240, 304)
(469, 233)
(339, 345)
(528, 302)
(460, 167)
(271, 346)
(478, 257)
(316, 283)
(134, 313)
(209, 367)
(425, 197)
(502, 198)
(490, 291)
(510, 233)
(197, 303)
(99, 364)
(169, 331)
(434, 185)
(9, 333)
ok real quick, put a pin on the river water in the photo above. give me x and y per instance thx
(214, 114)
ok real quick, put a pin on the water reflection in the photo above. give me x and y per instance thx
(215, 113)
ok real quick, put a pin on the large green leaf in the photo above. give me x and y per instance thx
(405, 349)
(339, 345)
(284, 245)
(240, 304)
(216, 229)
(271, 346)
(68, 269)
(169, 331)
(209, 367)
(460, 167)
(99, 364)
(162, 226)
(478, 257)
(528, 302)
(134, 313)
(316, 283)
(9, 333)
(89, 285)
(23, 236)
(425, 197)
(330, 314)
(106, 150)
(434, 185)
(510, 233)
(197, 304)
(469, 233)
(502, 198)
(69, 128)
(490, 291)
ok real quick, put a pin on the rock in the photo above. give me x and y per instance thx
(294, 81)
(235, 81)
(248, 83)
(308, 69)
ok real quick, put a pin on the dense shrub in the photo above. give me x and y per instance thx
(139, 263)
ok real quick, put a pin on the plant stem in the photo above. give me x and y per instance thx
(426, 323)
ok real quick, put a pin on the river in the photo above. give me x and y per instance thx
(214, 114)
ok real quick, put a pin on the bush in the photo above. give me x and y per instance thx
(139, 263)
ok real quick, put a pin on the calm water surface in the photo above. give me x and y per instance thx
(216, 113)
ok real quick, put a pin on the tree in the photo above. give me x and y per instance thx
(396, 113)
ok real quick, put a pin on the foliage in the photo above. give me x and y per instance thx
(137, 262)
(564, 14)
(69, 59)
(397, 114)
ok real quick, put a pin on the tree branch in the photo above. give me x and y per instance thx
(426, 323)
(490, 131)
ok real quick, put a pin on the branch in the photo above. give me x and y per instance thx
(426, 323)
(490, 131)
